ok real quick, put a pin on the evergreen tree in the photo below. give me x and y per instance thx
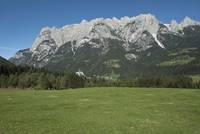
(65, 82)
(43, 82)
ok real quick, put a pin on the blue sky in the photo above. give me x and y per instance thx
(21, 20)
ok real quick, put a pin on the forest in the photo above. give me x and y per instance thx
(31, 78)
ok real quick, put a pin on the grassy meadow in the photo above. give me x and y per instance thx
(100, 111)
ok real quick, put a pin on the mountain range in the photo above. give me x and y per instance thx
(129, 47)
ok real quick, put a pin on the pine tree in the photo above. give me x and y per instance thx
(43, 82)
(64, 82)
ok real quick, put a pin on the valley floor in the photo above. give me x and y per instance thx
(100, 111)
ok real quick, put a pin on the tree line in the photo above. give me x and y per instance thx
(32, 78)
(168, 82)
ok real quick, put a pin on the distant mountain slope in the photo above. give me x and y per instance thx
(120, 48)
(4, 62)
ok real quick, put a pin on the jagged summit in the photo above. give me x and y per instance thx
(78, 32)
(187, 21)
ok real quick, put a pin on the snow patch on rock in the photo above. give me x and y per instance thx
(157, 41)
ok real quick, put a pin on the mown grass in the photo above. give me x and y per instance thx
(100, 111)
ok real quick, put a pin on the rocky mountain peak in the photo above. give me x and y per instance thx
(188, 21)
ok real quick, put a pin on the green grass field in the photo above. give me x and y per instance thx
(100, 111)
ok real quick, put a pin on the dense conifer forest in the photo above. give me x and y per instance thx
(31, 78)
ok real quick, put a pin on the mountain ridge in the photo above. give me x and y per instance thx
(108, 45)
(4, 62)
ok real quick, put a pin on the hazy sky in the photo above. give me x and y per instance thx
(21, 20)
